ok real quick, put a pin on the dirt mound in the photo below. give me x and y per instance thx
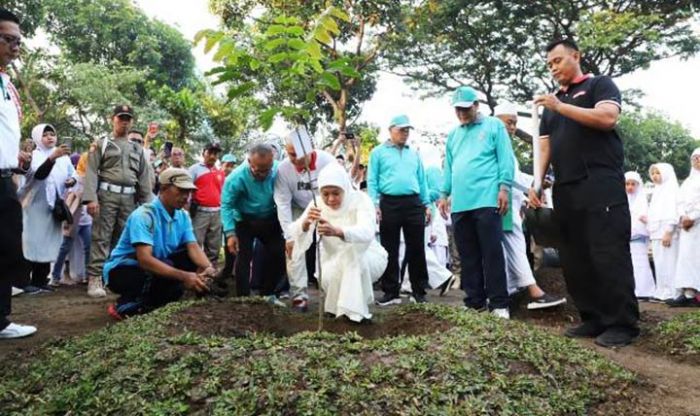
(236, 319)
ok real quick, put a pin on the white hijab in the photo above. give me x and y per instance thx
(638, 204)
(334, 175)
(662, 209)
(62, 169)
(689, 193)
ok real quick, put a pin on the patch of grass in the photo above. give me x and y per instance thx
(481, 365)
(680, 335)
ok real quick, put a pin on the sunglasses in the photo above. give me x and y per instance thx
(124, 117)
(11, 40)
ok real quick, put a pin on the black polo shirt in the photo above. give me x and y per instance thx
(578, 151)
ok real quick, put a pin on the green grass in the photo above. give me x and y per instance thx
(680, 335)
(480, 366)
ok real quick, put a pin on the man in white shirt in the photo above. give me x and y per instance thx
(295, 188)
(11, 161)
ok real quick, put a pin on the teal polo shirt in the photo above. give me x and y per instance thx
(151, 224)
(396, 171)
(478, 161)
(244, 196)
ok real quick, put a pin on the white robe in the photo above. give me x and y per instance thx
(518, 271)
(663, 218)
(688, 266)
(349, 266)
(645, 286)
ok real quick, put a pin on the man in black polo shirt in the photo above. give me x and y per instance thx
(578, 136)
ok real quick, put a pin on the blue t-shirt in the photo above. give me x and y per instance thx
(150, 224)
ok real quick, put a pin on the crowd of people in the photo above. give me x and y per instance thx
(416, 218)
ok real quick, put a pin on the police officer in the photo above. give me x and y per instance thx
(117, 179)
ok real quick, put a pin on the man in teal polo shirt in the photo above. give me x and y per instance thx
(248, 212)
(396, 183)
(157, 255)
(479, 166)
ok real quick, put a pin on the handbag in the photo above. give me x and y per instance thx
(60, 210)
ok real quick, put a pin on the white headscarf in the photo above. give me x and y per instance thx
(689, 193)
(638, 204)
(663, 210)
(334, 175)
(62, 169)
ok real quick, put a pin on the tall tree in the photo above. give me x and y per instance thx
(649, 137)
(497, 45)
(348, 49)
(115, 32)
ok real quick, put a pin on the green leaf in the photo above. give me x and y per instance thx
(330, 80)
(323, 37)
(226, 47)
(212, 39)
(336, 12)
(297, 44)
(274, 43)
(295, 30)
(240, 90)
(254, 64)
(329, 24)
(267, 117)
(316, 65)
(278, 57)
(275, 30)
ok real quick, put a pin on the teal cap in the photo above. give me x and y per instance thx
(400, 121)
(228, 158)
(464, 97)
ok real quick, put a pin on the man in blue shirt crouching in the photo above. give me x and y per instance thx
(157, 255)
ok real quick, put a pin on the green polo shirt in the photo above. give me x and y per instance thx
(478, 161)
(396, 171)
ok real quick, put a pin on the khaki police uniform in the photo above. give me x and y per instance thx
(118, 177)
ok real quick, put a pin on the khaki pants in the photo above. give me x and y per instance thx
(208, 231)
(107, 227)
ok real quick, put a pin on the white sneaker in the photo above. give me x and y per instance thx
(16, 291)
(95, 288)
(501, 313)
(17, 331)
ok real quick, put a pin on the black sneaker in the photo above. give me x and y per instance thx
(680, 302)
(389, 299)
(32, 290)
(617, 337)
(419, 299)
(546, 301)
(585, 330)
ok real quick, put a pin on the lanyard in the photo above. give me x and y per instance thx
(9, 93)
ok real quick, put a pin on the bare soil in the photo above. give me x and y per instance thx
(669, 385)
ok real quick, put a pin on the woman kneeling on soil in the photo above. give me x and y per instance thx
(351, 258)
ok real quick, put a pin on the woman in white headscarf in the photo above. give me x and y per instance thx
(662, 224)
(639, 241)
(51, 172)
(687, 277)
(351, 259)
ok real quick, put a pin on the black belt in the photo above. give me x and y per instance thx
(399, 197)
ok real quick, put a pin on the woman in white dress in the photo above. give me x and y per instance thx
(351, 259)
(51, 172)
(662, 223)
(639, 241)
(687, 278)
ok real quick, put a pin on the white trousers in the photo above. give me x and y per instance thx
(688, 265)
(665, 259)
(645, 287)
(518, 272)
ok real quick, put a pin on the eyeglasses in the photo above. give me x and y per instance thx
(11, 40)
(177, 154)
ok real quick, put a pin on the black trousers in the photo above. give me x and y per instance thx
(36, 274)
(140, 291)
(11, 259)
(405, 213)
(478, 235)
(595, 252)
(229, 261)
(269, 233)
